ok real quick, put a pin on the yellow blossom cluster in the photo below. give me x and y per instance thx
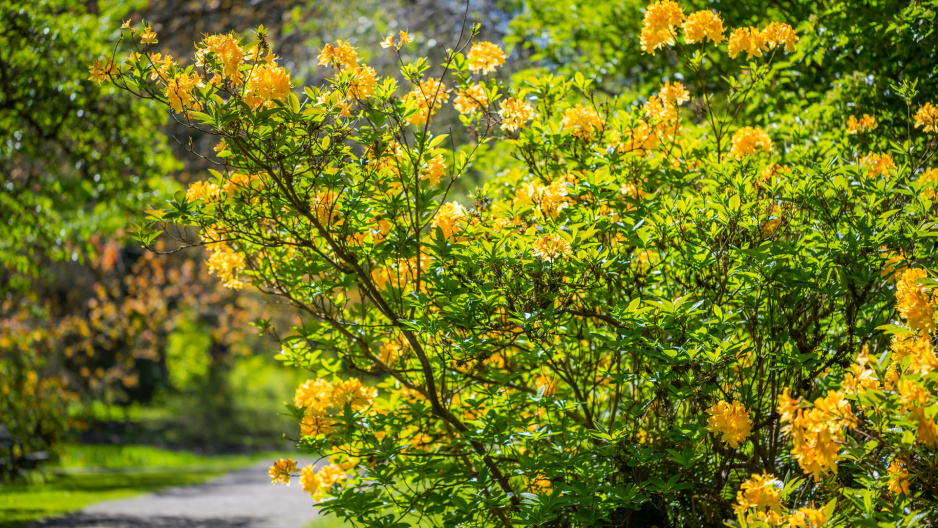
(817, 432)
(471, 100)
(179, 91)
(865, 124)
(926, 117)
(929, 180)
(658, 25)
(703, 25)
(225, 48)
(551, 247)
(315, 482)
(434, 170)
(485, 57)
(749, 141)
(760, 499)
(730, 421)
(878, 164)
(281, 471)
(581, 121)
(429, 95)
(898, 478)
(226, 264)
(548, 200)
(403, 38)
(449, 219)
(340, 55)
(913, 302)
(321, 400)
(755, 42)
(916, 401)
(515, 113)
(267, 83)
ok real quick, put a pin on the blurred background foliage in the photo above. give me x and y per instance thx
(104, 342)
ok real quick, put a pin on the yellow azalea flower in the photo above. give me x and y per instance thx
(127, 25)
(658, 25)
(929, 180)
(310, 481)
(865, 124)
(926, 117)
(281, 470)
(730, 421)
(748, 141)
(703, 25)
(405, 38)
(471, 100)
(746, 39)
(388, 42)
(429, 95)
(363, 81)
(898, 478)
(226, 263)
(807, 518)
(551, 247)
(266, 84)
(581, 121)
(515, 113)
(148, 36)
(778, 34)
(759, 498)
(817, 432)
(341, 55)
(485, 57)
(878, 165)
(448, 219)
(435, 170)
(913, 302)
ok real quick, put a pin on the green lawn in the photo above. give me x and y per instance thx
(89, 474)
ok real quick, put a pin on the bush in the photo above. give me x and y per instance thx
(651, 312)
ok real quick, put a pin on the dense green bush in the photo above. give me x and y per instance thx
(683, 306)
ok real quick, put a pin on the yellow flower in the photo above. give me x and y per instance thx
(342, 55)
(581, 121)
(405, 38)
(898, 478)
(658, 25)
(281, 470)
(878, 164)
(927, 117)
(362, 82)
(817, 433)
(750, 140)
(434, 170)
(471, 99)
(730, 421)
(807, 518)
(540, 485)
(310, 481)
(100, 73)
(762, 494)
(748, 39)
(912, 300)
(267, 83)
(551, 248)
(226, 263)
(703, 25)
(515, 113)
(448, 219)
(148, 36)
(388, 42)
(929, 180)
(865, 124)
(776, 34)
(429, 96)
(179, 91)
(127, 25)
(485, 57)
(674, 93)
(226, 48)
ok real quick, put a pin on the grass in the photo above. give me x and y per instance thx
(89, 474)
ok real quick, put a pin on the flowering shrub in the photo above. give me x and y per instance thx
(647, 314)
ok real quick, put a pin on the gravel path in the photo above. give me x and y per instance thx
(242, 499)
